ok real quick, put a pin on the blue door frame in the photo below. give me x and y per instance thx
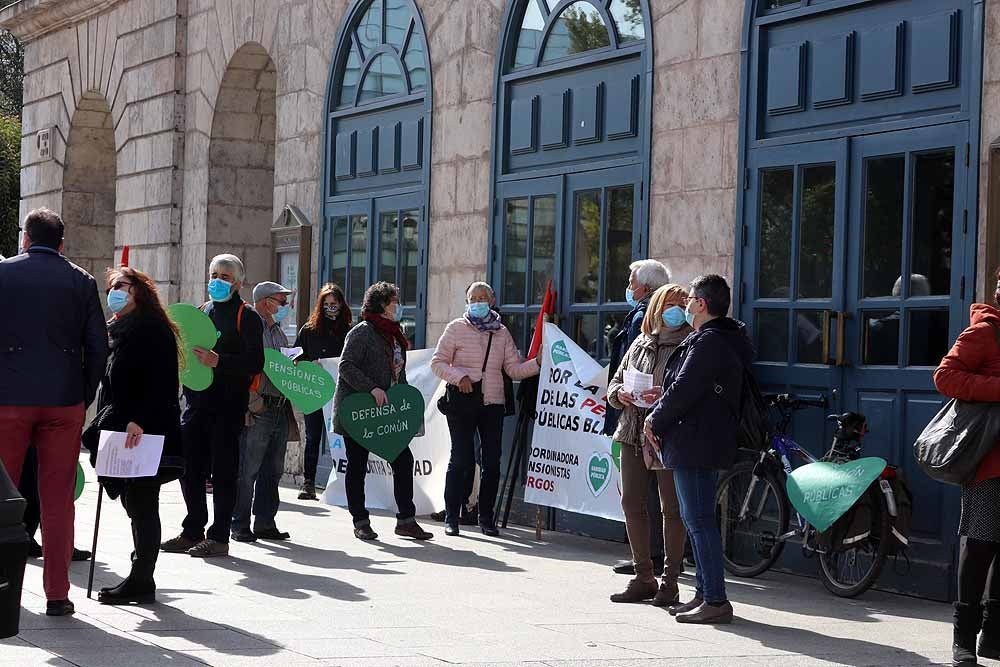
(841, 89)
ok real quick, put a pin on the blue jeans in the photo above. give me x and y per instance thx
(696, 494)
(262, 462)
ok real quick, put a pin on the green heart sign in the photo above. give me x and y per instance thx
(307, 385)
(78, 488)
(387, 430)
(559, 353)
(197, 330)
(822, 492)
(616, 454)
(599, 472)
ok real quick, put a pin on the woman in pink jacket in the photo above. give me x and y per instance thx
(471, 355)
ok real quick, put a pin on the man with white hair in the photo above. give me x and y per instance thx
(214, 418)
(647, 276)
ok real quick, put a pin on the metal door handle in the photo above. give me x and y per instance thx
(841, 329)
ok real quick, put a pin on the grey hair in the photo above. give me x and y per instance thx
(228, 261)
(480, 285)
(650, 273)
(919, 285)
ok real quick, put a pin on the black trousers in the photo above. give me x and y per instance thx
(211, 448)
(28, 489)
(487, 423)
(354, 483)
(315, 426)
(141, 501)
(977, 562)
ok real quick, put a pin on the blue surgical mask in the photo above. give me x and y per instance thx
(630, 297)
(674, 316)
(282, 313)
(399, 313)
(478, 310)
(117, 300)
(219, 289)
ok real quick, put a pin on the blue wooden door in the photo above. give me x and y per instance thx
(794, 248)
(907, 218)
(399, 246)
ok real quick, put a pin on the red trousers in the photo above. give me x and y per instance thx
(55, 433)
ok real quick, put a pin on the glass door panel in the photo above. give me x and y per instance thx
(602, 221)
(793, 246)
(400, 258)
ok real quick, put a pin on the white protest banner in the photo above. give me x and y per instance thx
(114, 460)
(431, 451)
(571, 465)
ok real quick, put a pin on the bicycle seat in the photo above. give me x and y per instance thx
(850, 425)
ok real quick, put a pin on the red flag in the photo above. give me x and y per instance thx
(125, 256)
(548, 308)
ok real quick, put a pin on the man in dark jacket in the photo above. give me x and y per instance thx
(53, 348)
(695, 424)
(646, 277)
(214, 418)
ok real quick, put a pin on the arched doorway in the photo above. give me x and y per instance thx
(241, 165)
(377, 157)
(571, 162)
(856, 245)
(88, 199)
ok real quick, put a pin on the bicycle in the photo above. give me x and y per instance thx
(754, 510)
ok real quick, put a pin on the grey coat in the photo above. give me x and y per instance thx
(365, 363)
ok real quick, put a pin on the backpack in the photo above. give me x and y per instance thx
(754, 427)
(255, 382)
(901, 524)
(853, 527)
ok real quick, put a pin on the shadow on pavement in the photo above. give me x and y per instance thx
(281, 583)
(329, 559)
(841, 650)
(433, 552)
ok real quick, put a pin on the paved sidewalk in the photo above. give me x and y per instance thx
(325, 598)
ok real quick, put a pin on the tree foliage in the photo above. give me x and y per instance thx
(10, 182)
(11, 71)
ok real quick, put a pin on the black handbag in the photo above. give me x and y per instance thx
(958, 438)
(454, 402)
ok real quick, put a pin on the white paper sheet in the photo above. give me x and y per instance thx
(291, 352)
(113, 460)
(636, 382)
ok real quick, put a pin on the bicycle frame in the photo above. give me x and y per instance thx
(783, 448)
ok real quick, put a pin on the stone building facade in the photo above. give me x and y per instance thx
(517, 140)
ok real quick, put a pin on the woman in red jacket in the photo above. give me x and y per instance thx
(971, 372)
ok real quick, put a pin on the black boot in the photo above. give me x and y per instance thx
(131, 591)
(989, 641)
(968, 621)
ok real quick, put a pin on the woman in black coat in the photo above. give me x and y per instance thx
(139, 394)
(322, 337)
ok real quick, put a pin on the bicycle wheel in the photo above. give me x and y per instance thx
(850, 573)
(750, 543)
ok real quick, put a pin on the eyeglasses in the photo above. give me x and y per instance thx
(120, 284)
(280, 303)
(689, 299)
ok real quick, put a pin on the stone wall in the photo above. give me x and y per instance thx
(124, 59)
(988, 256)
(696, 104)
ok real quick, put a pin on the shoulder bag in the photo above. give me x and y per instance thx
(454, 402)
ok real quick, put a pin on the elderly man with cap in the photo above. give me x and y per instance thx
(265, 439)
(214, 417)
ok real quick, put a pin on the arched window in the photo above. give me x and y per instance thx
(377, 157)
(386, 55)
(552, 30)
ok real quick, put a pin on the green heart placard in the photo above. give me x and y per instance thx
(307, 385)
(78, 484)
(197, 330)
(387, 430)
(599, 472)
(560, 354)
(822, 492)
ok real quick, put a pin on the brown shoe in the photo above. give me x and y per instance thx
(413, 530)
(365, 532)
(637, 591)
(179, 544)
(708, 614)
(209, 549)
(667, 596)
(686, 607)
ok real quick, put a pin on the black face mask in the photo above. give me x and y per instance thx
(331, 313)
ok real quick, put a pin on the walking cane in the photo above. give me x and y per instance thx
(93, 548)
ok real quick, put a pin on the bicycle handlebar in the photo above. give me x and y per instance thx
(786, 401)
